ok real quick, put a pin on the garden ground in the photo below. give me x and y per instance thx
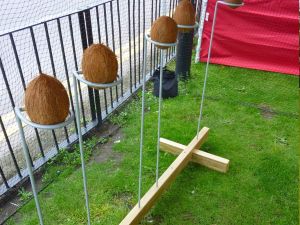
(253, 120)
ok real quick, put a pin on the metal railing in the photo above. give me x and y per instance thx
(55, 47)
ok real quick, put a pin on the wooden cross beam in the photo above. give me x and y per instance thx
(148, 200)
(203, 158)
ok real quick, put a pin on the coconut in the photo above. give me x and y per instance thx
(99, 64)
(234, 2)
(46, 100)
(164, 30)
(185, 15)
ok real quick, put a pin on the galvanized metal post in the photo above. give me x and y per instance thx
(30, 170)
(77, 115)
(84, 40)
(208, 57)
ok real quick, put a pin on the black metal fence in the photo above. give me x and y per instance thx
(55, 47)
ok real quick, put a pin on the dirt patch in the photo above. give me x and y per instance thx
(105, 151)
(266, 111)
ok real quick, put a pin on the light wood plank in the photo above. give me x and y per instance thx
(148, 200)
(201, 157)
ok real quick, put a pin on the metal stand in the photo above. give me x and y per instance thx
(78, 77)
(185, 154)
(21, 117)
(148, 39)
(209, 54)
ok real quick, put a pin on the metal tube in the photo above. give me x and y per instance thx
(159, 110)
(142, 122)
(197, 3)
(206, 69)
(24, 119)
(159, 43)
(77, 115)
(30, 171)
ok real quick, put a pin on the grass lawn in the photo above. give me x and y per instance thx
(253, 121)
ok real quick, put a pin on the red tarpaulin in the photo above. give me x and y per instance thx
(262, 34)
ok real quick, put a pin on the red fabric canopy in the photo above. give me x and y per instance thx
(262, 34)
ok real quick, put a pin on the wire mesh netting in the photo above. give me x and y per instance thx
(49, 37)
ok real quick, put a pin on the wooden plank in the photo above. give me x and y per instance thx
(148, 200)
(203, 158)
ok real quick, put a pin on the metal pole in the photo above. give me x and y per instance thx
(142, 121)
(77, 115)
(30, 171)
(200, 28)
(207, 64)
(159, 109)
(197, 2)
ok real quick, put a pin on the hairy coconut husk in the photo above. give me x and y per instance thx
(235, 2)
(99, 64)
(164, 30)
(185, 15)
(46, 100)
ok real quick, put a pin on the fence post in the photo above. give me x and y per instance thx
(84, 40)
(90, 39)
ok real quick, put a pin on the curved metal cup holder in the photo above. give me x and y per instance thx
(188, 26)
(157, 44)
(22, 116)
(79, 76)
(148, 38)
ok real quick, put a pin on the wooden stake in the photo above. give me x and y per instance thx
(148, 200)
(203, 158)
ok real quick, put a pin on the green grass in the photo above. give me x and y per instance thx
(261, 186)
